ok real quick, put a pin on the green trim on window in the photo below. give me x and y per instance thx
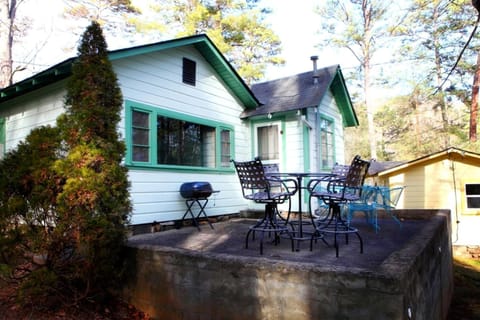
(332, 122)
(152, 162)
(222, 163)
(284, 142)
(306, 146)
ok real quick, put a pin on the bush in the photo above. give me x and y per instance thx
(64, 200)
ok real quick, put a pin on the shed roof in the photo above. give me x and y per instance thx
(300, 91)
(201, 42)
(379, 166)
(451, 153)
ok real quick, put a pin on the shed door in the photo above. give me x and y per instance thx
(268, 142)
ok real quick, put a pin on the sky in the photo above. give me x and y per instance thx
(293, 21)
(296, 23)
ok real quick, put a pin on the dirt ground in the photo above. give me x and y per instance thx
(114, 310)
(465, 302)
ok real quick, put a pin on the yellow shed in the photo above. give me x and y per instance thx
(449, 179)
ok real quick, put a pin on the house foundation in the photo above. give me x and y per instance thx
(404, 273)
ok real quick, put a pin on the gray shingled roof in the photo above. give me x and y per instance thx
(379, 166)
(292, 93)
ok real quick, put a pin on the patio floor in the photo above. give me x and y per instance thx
(228, 238)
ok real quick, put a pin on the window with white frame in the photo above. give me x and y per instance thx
(327, 146)
(268, 144)
(472, 193)
(165, 138)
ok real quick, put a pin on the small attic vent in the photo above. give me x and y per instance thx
(189, 71)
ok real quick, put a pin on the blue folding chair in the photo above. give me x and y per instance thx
(376, 198)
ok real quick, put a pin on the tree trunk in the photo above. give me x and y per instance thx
(438, 69)
(367, 54)
(7, 18)
(372, 137)
(474, 106)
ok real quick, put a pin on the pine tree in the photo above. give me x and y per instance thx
(94, 203)
(64, 199)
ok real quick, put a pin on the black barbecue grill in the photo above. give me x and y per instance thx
(196, 192)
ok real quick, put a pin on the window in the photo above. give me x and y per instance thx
(189, 71)
(472, 192)
(140, 136)
(327, 150)
(2, 138)
(268, 147)
(226, 153)
(164, 138)
(185, 143)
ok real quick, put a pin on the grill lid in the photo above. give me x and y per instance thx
(196, 189)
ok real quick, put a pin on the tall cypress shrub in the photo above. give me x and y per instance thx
(64, 199)
(94, 203)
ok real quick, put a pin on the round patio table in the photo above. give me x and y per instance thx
(299, 235)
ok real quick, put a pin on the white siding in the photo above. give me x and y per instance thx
(156, 195)
(41, 107)
(328, 107)
(294, 153)
(156, 80)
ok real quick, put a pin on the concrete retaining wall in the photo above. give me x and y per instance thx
(413, 283)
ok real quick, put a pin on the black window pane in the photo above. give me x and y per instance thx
(473, 202)
(140, 137)
(140, 154)
(140, 119)
(184, 143)
(472, 189)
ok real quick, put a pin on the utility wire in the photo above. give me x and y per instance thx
(476, 4)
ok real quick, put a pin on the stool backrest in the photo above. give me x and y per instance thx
(251, 175)
(356, 176)
(340, 170)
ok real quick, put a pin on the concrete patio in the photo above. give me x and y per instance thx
(404, 273)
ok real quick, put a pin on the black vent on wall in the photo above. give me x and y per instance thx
(189, 71)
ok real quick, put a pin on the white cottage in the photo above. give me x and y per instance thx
(187, 113)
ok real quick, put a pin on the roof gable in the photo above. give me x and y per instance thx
(300, 91)
(202, 43)
(449, 153)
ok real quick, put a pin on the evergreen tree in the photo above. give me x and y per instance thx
(434, 34)
(363, 28)
(94, 202)
(237, 27)
(64, 200)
